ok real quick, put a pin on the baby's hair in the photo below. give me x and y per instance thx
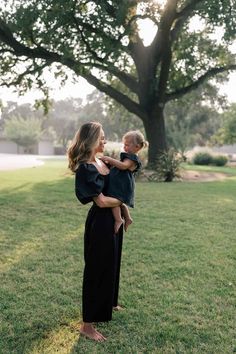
(137, 138)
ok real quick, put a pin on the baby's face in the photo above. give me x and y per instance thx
(129, 146)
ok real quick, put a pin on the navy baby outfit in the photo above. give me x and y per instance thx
(121, 182)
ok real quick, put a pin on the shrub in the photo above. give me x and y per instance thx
(220, 160)
(202, 158)
(168, 166)
(112, 153)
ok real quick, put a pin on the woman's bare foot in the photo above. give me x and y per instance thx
(128, 221)
(90, 332)
(118, 224)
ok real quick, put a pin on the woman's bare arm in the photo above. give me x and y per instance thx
(103, 201)
(122, 165)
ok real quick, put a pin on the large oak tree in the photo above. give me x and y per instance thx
(100, 41)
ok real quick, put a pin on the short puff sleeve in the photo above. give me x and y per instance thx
(89, 183)
(132, 157)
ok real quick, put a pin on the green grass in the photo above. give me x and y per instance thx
(229, 170)
(178, 268)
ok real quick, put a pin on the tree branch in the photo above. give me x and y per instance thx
(7, 50)
(164, 73)
(50, 57)
(36, 70)
(124, 100)
(127, 79)
(181, 18)
(163, 34)
(19, 49)
(187, 10)
(78, 22)
(33, 53)
(86, 43)
(209, 74)
(110, 10)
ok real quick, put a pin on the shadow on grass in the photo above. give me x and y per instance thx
(41, 264)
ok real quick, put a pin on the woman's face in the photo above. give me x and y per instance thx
(101, 143)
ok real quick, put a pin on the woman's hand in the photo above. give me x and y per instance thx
(106, 202)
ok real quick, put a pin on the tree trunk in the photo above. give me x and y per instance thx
(154, 127)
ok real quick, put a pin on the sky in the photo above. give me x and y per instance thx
(229, 88)
(70, 90)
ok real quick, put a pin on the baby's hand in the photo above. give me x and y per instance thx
(105, 158)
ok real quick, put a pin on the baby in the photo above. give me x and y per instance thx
(122, 183)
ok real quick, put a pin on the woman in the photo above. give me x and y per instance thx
(102, 248)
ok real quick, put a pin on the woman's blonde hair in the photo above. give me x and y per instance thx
(136, 137)
(83, 144)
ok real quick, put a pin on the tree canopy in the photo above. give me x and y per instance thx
(100, 41)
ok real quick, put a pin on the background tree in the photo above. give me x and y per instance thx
(63, 118)
(100, 41)
(194, 118)
(24, 132)
(26, 110)
(190, 120)
(226, 134)
(60, 123)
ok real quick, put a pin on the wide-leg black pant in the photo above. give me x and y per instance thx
(102, 255)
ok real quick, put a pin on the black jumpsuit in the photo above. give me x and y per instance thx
(102, 248)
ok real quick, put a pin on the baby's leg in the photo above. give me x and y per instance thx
(127, 217)
(118, 219)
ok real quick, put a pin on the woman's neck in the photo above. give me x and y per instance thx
(92, 159)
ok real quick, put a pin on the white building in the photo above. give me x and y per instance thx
(43, 147)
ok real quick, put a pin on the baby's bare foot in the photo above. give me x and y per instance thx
(117, 225)
(128, 221)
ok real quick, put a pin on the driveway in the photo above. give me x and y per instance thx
(14, 162)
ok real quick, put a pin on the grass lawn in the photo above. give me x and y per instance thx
(178, 268)
(229, 170)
